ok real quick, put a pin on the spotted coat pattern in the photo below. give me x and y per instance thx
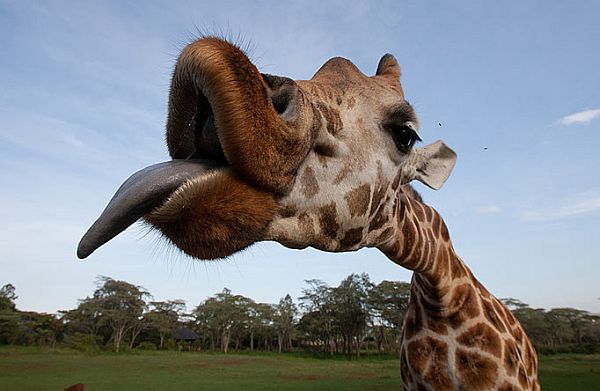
(456, 335)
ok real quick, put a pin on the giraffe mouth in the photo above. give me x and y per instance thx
(153, 192)
(151, 188)
(205, 142)
(232, 156)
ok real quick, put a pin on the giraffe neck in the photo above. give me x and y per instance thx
(422, 244)
(456, 335)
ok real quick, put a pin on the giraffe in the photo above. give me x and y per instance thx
(325, 163)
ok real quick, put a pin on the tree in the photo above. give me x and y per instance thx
(39, 328)
(255, 321)
(559, 329)
(164, 317)
(572, 322)
(136, 327)
(318, 322)
(261, 321)
(8, 297)
(9, 317)
(350, 312)
(86, 318)
(222, 316)
(284, 322)
(513, 304)
(122, 305)
(388, 302)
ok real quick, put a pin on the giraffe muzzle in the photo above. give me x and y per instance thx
(234, 150)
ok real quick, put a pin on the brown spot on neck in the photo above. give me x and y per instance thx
(358, 200)
(385, 235)
(352, 237)
(306, 224)
(413, 322)
(422, 349)
(428, 212)
(463, 305)
(324, 150)
(342, 174)
(350, 102)
(437, 325)
(310, 186)
(511, 359)
(522, 376)
(418, 211)
(474, 371)
(328, 220)
(379, 219)
(492, 316)
(429, 357)
(483, 337)
(288, 211)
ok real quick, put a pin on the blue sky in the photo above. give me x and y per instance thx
(83, 97)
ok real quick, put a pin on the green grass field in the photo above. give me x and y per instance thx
(35, 369)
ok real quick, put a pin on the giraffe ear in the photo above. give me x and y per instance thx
(388, 66)
(432, 164)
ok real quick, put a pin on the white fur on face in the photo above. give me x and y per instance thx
(343, 198)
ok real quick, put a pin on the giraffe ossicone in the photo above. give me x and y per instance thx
(323, 162)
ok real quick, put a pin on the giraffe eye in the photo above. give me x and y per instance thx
(405, 136)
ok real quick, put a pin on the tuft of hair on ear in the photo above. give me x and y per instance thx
(388, 67)
(225, 33)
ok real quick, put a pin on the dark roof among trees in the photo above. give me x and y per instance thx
(185, 334)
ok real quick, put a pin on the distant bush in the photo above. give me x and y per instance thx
(146, 345)
(197, 345)
(171, 344)
(587, 348)
(83, 342)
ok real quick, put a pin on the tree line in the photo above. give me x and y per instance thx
(353, 318)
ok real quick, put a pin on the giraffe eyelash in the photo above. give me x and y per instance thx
(401, 122)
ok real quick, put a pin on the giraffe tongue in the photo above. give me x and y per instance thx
(138, 195)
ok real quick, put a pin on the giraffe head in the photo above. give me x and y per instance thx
(256, 157)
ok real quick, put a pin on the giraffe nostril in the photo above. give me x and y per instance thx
(281, 102)
(283, 93)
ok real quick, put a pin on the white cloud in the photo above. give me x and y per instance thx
(581, 117)
(484, 210)
(584, 206)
